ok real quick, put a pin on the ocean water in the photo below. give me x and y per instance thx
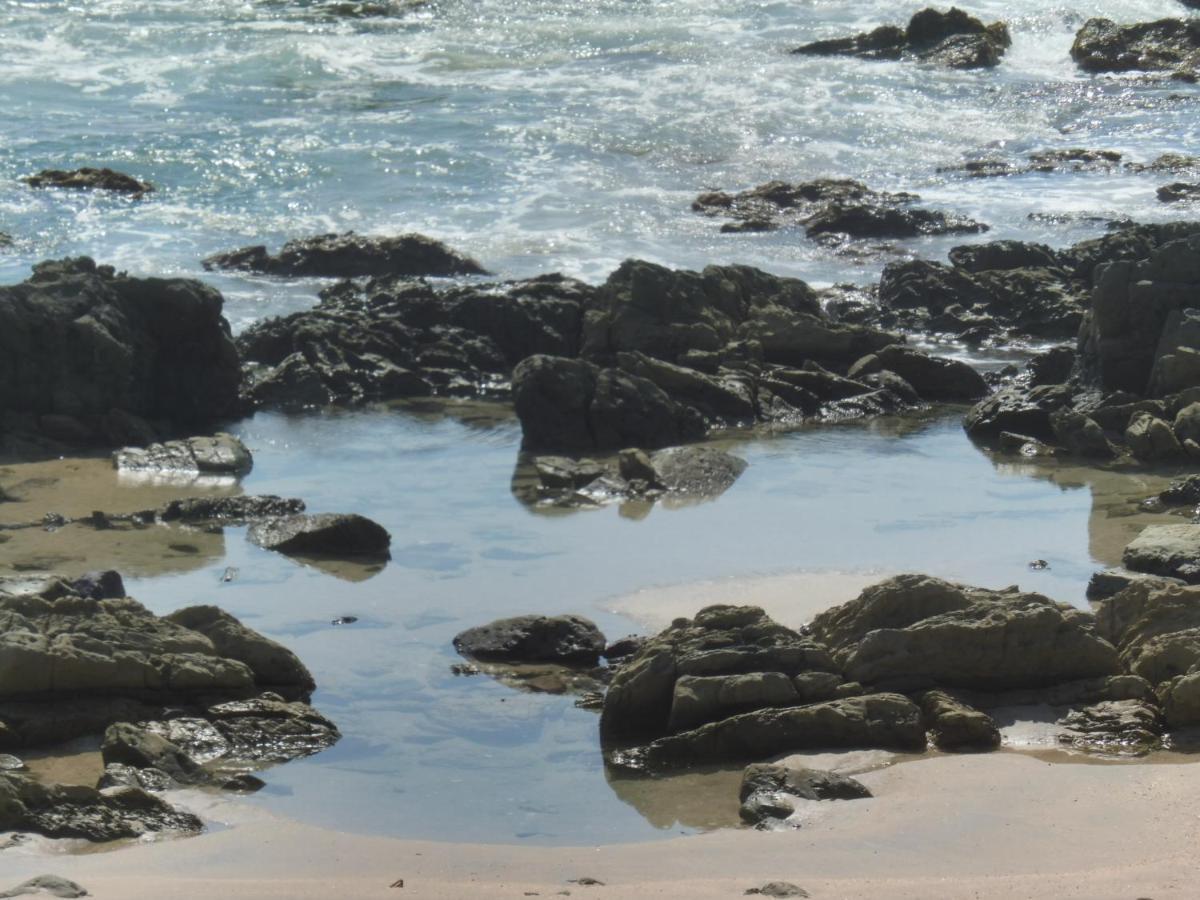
(540, 136)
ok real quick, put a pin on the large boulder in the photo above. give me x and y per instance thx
(933, 377)
(913, 631)
(220, 454)
(84, 348)
(561, 639)
(272, 664)
(1155, 627)
(571, 404)
(351, 255)
(721, 641)
(1166, 45)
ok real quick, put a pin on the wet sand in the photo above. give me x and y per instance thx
(984, 826)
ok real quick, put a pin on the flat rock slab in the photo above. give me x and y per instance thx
(220, 454)
(1171, 550)
(324, 534)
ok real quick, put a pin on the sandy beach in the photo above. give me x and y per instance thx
(1001, 825)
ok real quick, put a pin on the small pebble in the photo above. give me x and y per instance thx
(344, 620)
(1038, 564)
(229, 574)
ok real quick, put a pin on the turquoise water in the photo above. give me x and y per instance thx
(544, 136)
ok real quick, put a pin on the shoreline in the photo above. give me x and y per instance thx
(934, 830)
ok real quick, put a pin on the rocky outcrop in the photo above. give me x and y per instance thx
(830, 209)
(953, 39)
(1167, 45)
(394, 338)
(323, 534)
(720, 642)
(89, 355)
(351, 255)
(1178, 192)
(90, 179)
(571, 640)
(72, 665)
(769, 792)
(912, 632)
(1114, 727)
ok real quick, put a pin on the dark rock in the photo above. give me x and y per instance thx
(861, 220)
(1080, 435)
(1019, 410)
(1167, 45)
(574, 405)
(80, 340)
(90, 179)
(1051, 367)
(1179, 191)
(720, 641)
(706, 698)
(106, 585)
(229, 510)
(953, 39)
(351, 255)
(700, 471)
(62, 811)
(1003, 255)
(323, 534)
(564, 639)
(1184, 491)
(267, 729)
(933, 378)
(221, 454)
(885, 721)
(122, 775)
(953, 725)
(913, 631)
(768, 789)
(126, 744)
(623, 648)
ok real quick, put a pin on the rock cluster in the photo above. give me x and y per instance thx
(953, 39)
(89, 178)
(831, 211)
(651, 358)
(350, 255)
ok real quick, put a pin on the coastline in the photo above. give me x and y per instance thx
(996, 825)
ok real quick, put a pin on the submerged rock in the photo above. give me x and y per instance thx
(323, 534)
(351, 255)
(229, 510)
(90, 179)
(1178, 192)
(563, 639)
(953, 39)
